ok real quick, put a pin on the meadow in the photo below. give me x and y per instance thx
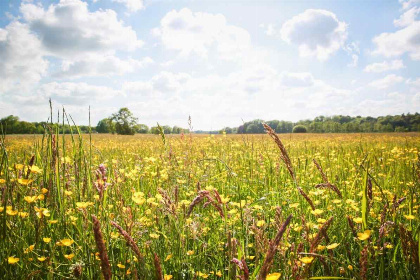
(301, 206)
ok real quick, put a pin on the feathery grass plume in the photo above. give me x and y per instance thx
(410, 247)
(158, 268)
(167, 202)
(363, 262)
(322, 233)
(272, 249)
(241, 264)
(397, 203)
(195, 201)
(326, 183)
(129, 240)
(283, 152)
(351, 225)
(302, 192)
(216, 202)
(105, 266)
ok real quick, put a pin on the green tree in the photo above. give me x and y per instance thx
(299, 129)
(125, 122)
(105, 126)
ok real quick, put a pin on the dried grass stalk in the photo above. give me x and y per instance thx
(158, 268)
(322, 233)
(129, 239)
(272, 249)
(105, 266)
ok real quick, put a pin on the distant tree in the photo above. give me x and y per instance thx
(142, 128)
(106, 126)
(299, 129)
(125, 122)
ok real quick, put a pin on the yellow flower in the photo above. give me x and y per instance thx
(168, 257)
(2, 181)
(219, 273)
(12, 260)
(307, 260)
(154, 235)
(53, 221)
(409, 217)
(317, 212)
(350, 267)
(23, 214)
(41, 259)
(46, 239)
(273, 276)
(190, 252)
(35, 169)
(44, 190)
(364, 235)
(320, 247)
(41, 212)
(69, 256)
(358, 220)
(167, 277)
(260, 223)
(25, 182)
(333, 246)
(83, 205)
(29, 249)
(202, 275)
(68, 193)
(30, 199)
(10, 211)
(121, 266)
(19, 166)
(65, 242)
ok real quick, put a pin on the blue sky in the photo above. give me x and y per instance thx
(219, 61)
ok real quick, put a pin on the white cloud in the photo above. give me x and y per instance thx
(384, 66)
(22, 64)
(408, 17)
(406, 40)
(317, 33)
(386, 82)
(215, 100)
(407, 4)
(68, 29)
(99, 65)
(199, 33)
(132, 5)
(289, 79)
(72, 93)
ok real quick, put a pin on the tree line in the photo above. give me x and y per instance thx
(124, 122)
(334, 124)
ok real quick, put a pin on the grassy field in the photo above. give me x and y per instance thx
(215, 207)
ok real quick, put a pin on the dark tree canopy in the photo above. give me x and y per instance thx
(125, 122)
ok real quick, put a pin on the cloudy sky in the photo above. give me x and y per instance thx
(219, 61)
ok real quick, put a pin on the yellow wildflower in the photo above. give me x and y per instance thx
(12, 260)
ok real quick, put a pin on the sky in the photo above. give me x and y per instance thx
(220, 62)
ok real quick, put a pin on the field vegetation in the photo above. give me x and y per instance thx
(342, 206)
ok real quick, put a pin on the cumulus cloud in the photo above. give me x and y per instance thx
(386, 82)
(69, 93)
(99, 65)
(379, 67)
(317, 33)
(196, 32)
(132, 5)
(68, 29)
(22, 64)
(215, 100)
(405, 40)
(408, 17)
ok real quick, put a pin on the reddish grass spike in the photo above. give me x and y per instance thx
(322, 233)
(105, 266)
(302, 192)
(159, 274)
(129, 239)
(363, 262)
(272, 249)
(283, 152)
